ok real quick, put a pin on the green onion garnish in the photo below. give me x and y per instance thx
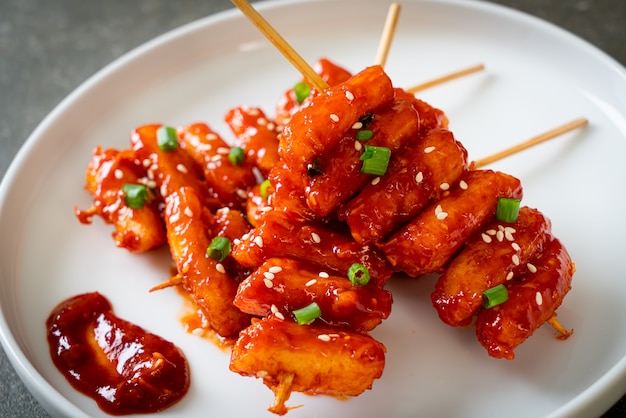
(302, 91)
(219, 248)
(263, 188)
(167, 139)
(135, 195)
(507, 209)
(236, 155)
(358, 274)
(375, 160)
(308, 314)
(364, 135)
(495, 296)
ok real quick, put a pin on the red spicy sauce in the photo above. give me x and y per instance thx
(125, 369)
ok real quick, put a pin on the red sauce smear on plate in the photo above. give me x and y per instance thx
(125, 369)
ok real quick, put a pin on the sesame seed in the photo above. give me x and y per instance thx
(271, 126)
(174, 218)
(375, 181)
(515, 259)
(531, 267)
(357, 125)
(188, 212)
(242, 193)
(163, 190)
(334, 117)
(220, 267)
(268, 275)
(491, 232)
(119, 174)
(261, 121)
(500, 236)
(236, 241)
(516, 246)
(324, 275)
(211, 166)
(419, 177)
(181, 168)
(440, 214)
(486, 238)
(275, 269)
(428, 150)
(211, 136)
(268, 283)
(274, 308)
(279, 316)
(349, 95)
(310, 282)
(245, 236)
(197, 331)
(444, 186)
(146, 163)
(509, 236)
(538, 298)
(463, 185)
(316, 238)
(215, 158)
(323, 337)
(258, 241)
(154, 167)
(358, 146)
(222, 151)
(151, 184)
(509, 276)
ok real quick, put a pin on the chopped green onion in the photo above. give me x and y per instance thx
(302, 91)
(364, 135)
(495, 296)
(507, 209)
(236, 155)
(263, 188)
(308, 314)
(219, 248)
(135, 195)
(358, 274)
(375, 160)
(167, 139)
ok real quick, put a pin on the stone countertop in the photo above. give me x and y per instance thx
(48, 48)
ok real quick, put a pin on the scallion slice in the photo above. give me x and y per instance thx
(308, 314)
(507, 209)
(302, 91)
(364, 135)
(236, 155)
(135, 195)
(495, 296)
(167, 138)
(375, 160)
(219, 248)
(264, 188)
(358, 274)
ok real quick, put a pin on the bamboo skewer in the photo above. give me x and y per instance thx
(388, 33)
(281, 44)
(445, 78)
(560, 130)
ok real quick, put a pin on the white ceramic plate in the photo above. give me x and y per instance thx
(537, 77)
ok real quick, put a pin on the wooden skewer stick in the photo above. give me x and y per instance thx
(281, 44)
(570, 126)
(387, 36)
(445, 78)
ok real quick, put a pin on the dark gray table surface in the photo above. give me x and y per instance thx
(47, 48)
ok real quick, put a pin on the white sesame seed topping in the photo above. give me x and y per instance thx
(334, 117)
(273, 308)
(538, 298)
(154, 167)
(236, 241)
(357, 125)
(275, 269)
(444, 186)
(310, 282)
(375, 181)
(491, 232)
(419, 177)
(222, 151)
(486, 238)
(268, 275)
(175, 217)
(261, 121)
(211, 166)
(279, 316)
(324, 275)
(428, 150)
(349, 95)
(509, 236)
(509, 276)
(323, 337)
(358, 146)
(463, 185)
(151, 184)
(163, 190)
(268, 283)
(271, 126)
(220, 267)
(515, 259)
(242, 193)
(500, 235)
(181, 168)
(258, 241)
(146, 163)
(188, 212)
(316, 238)
(531, 267)
(440, 214)
(119, 174)
(211, 136)
(516, 246)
